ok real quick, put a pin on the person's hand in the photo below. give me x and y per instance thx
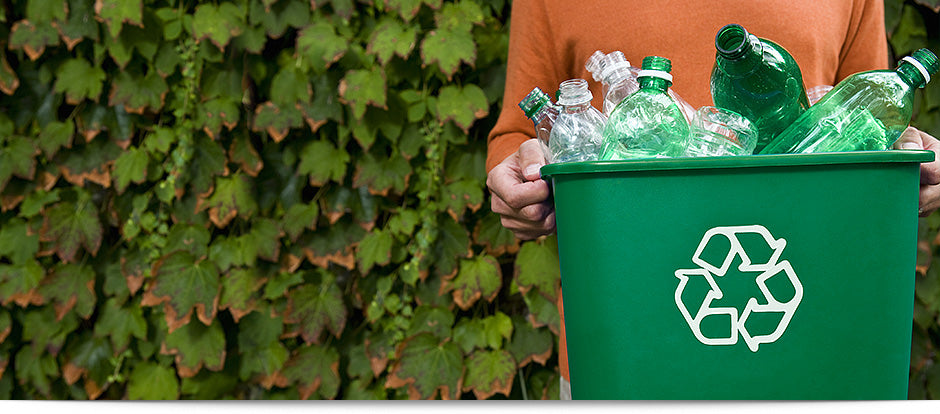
(519, 195)
(913, 138)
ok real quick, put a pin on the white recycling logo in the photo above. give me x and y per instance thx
(773, 267)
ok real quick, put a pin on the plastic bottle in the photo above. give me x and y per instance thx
(576, 134)
(648, 123)
(758, 79)
(717, 131)
(540, 109)
(866, 111)
(619, 81)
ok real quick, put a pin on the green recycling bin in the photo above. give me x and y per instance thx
(769, 277)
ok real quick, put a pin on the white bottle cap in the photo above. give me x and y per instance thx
(655, 73)
(920, 67)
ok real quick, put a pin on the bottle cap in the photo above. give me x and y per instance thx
(533, 102)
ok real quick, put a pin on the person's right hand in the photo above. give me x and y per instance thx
(519, 195)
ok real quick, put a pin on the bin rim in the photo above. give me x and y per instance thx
(739, 161)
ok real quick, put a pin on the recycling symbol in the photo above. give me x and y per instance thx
(769, 268)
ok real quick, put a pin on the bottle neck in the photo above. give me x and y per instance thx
(652, 82)
(737, 50)
(911, 75)
(577, 107)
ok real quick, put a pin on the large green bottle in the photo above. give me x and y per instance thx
(758, 79)
(866, 111)
(648, 123)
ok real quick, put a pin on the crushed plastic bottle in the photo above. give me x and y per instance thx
(758, 79)
(576, 134)
(540, 109)
(866, 111)
(816, 93)
(718, 132)
(649, 122)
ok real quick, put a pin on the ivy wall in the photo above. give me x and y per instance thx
(283, 199)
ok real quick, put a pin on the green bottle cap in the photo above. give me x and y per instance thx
(533, 102)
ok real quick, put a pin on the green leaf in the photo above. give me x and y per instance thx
(131, 166)
(45, 11)
(360, 389)
(530, 343)
(36, 370)
(185, 283)
(290, 86)
(323, 162)
(374, 249)
(911, 34)
(317, 307)
(382, 174)
(407, 9)
(8, 80)
(494, 237)
(448, 48)
(478, 278)
(460, 15)
(117, 12)
(300, 217)
(17, 158)
(79, 80)
(239, 290)
(233, 196)
(208, 385)
(451, 245)
(544, 384)
(56, 135)
(314, 368)
(189, 238)
(80, 24)
(933, 381)
(32, 38)
(463, 105)
(152, 381)
(120, 324)
(426, 365)
(496, 328)
(462, 195)
(92, 357)
(17, 242)
(68, 225)
(362, 87)
(537, 267)
(265, 235)
(320, 46)
(243, 153)
(6, 326)
(258, 345)
(278, 285)
(70, 286)
(196, 346)
(18, 280)
(391, 37)
(218, 23)
(469, 335)
(325, 105)
(490, 372)
(277, 17)
(431, 319)
(276, 121)
(137, 93)
(45, 332)
(542, 312)
(208, 162)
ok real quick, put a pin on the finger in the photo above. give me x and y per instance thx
(930, 172)
(929, 199)
(531, 159)
(526, 230)
(515, 193)
(909, 140)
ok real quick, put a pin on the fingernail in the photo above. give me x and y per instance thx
(532, 169)
(910, 146)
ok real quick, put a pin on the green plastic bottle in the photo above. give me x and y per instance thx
(866, 111)
(649, 122)
(538, 107)
(758, 79)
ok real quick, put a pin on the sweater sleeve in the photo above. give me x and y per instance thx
(866, 46)
(531, 62)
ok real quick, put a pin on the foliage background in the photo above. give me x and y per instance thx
(285, 199)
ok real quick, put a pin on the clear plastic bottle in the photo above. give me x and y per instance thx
(649, 122)
(540, 109)
(866, 111)
(718, 131)
(758, 79)
(576, 134)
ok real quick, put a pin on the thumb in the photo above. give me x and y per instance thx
(531, 159)
(910, 139)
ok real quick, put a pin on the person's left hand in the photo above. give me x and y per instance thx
(915, 139)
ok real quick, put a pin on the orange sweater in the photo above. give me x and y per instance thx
(550, 40)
